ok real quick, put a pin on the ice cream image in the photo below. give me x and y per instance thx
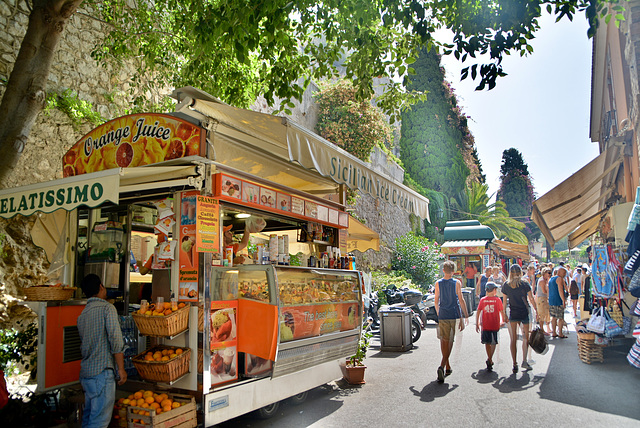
(187, 245)
(227, 359)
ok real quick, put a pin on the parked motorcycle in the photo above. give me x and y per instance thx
(372, 321)
(428, 306)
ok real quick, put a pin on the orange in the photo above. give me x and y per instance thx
(175, 405)
(165, 358)
(167, 312)
(145, 405)
(149, 399)
(120, 401)
(135, 411)
(165, 351)
(137, 395)
(148, 357)
(147, 394)
(140, 402)
(154, 405)
(181, 305)
(131, 397)
(172, 356)
(159, 398)
(166, 409)
(178, 351)
(166, 402)
(167, 305)
(126, 401)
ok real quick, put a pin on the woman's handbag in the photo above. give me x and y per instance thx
(537, 341)
(597, 321)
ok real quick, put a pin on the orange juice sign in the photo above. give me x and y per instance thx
(207, 225)
(133, 140)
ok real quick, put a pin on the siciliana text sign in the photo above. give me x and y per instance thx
(90, 190)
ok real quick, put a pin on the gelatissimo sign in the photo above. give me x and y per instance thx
(90, 190)
(314, 153)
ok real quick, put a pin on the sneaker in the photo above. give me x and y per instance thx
(440, 375)
(515, 368)
(525, 365)
(489, 366)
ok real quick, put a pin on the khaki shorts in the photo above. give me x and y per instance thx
(543, 309)
(447, 329)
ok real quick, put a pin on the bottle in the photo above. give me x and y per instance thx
(174, 304)
(160, 304)
(144, 306)
(325, 260)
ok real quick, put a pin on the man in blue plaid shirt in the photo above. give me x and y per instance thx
(102, 350)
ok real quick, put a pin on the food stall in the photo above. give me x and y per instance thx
(467, 241)
(238, 329)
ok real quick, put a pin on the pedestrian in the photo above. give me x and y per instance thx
(470, 273)
(448, 303)
(574, 289)
(102, 354)
(498, 277)
(516, 294)
(557, 302)
(542, 300)
(482, 282)
(490, 316)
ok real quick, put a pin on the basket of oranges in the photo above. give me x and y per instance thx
(147, 408)
(161, 321)
(163, 363)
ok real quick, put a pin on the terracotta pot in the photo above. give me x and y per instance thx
(354, 375)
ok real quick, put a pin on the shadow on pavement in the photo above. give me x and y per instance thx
(433, 390)
(485, 376)
(609, 387)
(516, 382)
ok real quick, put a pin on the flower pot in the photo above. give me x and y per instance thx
(354, 375)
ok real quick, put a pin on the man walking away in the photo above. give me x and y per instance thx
(557, 302)
(482, 282)
(448, 302)
(102, 343)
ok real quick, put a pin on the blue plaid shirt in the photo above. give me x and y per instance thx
(101, 337)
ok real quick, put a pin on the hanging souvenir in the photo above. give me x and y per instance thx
(603, 284)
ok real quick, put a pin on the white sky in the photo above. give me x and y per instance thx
(541, 107)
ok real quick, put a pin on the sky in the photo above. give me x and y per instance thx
(542, 108)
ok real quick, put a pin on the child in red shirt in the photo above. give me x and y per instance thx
(490, 316)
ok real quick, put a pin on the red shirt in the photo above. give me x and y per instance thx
(489, 309)
(470, 272)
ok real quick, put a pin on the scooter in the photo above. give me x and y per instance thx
(428, 306)
(372, 322)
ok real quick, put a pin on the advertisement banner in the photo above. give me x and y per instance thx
(224, 341)
(299, 322)
(134, 140)
(207, 225)
(187, 254)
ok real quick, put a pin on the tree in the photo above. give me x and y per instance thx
(516, 189)
(237, 49)
(474, 205)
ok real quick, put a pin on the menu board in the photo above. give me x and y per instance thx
(231, 187)
(310, 209)
(297, 205)
(224, 341)
(207, 227)
(267, 197)
(250, 193)
(284, 202)
(323, 213)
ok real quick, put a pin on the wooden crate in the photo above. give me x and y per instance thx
(589, 352)
(182, 417)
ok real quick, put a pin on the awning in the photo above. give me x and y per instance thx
(273, 138)
(94, 189)
(586, 229)
(360, 237)
(579, 198)
(510, 249)
(475, 246)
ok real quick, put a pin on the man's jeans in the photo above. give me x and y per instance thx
(99, 398)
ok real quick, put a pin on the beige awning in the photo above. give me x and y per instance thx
(586, 229)
(510, 249)
(275, 148)
(360, 237)
(579, 198)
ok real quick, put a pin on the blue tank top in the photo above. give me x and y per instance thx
(449, 306)
(554, 294)
(483, 285)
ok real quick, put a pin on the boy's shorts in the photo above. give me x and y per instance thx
(489, 337)
(447, 329)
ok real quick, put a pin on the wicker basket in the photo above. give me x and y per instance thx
(41, 294)
(589, 352)
(162, 371)
(163, 326)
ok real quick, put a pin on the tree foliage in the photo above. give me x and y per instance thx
(356, 126)
(516, 189)
(417, 257)
(237, 49)
(433, 132)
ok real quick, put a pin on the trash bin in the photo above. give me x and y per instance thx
(469, 294)
(395, 329)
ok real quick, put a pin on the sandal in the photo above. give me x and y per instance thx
(515, 368)
(447, 372)
(563, 337)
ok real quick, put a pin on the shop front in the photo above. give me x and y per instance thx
(247, 249)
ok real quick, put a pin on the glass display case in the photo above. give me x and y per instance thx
(298, 317)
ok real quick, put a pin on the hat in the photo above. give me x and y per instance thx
(227, 228)
(491, 286)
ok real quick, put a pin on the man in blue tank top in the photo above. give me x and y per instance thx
(448, 303)
(557, 302)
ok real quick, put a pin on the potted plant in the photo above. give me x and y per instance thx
(354, 368)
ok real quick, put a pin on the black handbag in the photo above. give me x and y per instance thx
(537, 341)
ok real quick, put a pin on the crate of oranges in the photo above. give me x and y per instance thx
(163, 363)
(162, 321)
(160, 410)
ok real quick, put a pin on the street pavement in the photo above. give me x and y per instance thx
(401, 389)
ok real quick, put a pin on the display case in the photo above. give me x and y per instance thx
(281, 319)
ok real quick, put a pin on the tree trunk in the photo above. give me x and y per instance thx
(26, 90)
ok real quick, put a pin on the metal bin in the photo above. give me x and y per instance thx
(395, 329)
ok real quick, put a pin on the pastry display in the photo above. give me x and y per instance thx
(317, 291)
